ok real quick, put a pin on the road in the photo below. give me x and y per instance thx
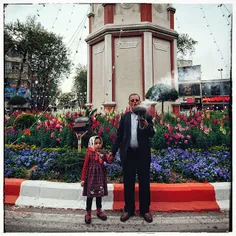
(61, 220)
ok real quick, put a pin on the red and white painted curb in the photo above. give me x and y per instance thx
(164, 197)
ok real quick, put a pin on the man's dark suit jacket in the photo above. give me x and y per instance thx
(123, 137)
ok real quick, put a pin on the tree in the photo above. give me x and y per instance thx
(80, 83)
(8, 42)
(45, 52)
(17, 100)
(185, 45)
(162, 93)
(65, 99)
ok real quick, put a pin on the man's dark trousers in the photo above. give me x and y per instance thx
(132, 165)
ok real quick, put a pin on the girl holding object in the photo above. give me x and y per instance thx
(93, 179)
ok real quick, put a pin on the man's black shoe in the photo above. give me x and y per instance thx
(148, 217)
(124, 217)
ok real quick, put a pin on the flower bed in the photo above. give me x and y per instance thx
(181, 148)
(197, 130)
(167, 166)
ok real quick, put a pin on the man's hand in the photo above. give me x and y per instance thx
(82, 183)
(110, 157)
(143, 123)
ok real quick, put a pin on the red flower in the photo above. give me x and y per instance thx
(117, 117)
(116, 125)
(215, 122)
(170, 129)
(112, 121)
(100, 131)
(166, 135)
(27, 132)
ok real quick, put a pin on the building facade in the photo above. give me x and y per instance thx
(12, 73)
(216, 94)
(131, 47)
(203, 94)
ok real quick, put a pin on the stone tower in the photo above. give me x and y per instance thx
(131, 47)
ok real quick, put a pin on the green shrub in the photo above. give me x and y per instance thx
(158, 141)
(202, 141)
(68, 138)
(10, 121)
(58, 149)
(24, 121)
(69, 166)
(17, 100)
(170, 118)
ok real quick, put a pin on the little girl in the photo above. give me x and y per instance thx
(93, 177)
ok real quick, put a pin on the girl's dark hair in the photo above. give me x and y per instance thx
(98, 137)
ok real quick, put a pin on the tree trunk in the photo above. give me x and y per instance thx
(21, 72)
(162, 107)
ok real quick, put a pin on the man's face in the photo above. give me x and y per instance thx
(134, 101)
(97, 144)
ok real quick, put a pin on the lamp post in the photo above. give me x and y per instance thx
(220, 70)
(36, 94)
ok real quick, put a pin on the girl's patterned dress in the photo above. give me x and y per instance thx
(94, 175)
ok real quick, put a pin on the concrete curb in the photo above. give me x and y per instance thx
(164, 197)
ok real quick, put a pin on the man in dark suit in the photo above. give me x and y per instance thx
(133, 139)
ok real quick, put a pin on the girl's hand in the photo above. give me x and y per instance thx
(82, 183)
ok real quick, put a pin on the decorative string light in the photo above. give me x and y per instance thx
(230, 35)
(74, 36)
(178, 26)
(72, 12)
(211, 33)
(76, 51)
(81, 26)
(38, 10)
(80, 30)
(219, 6)
(38, 119)
(56, 16)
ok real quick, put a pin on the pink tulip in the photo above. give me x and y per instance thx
(199, 118)
(52, 135)
(58, 126)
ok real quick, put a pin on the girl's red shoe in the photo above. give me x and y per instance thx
(101, 215)
(87, 219)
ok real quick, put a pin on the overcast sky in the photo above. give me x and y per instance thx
(206, 25)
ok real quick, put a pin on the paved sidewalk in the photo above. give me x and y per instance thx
(60, 220)
(164, 197)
